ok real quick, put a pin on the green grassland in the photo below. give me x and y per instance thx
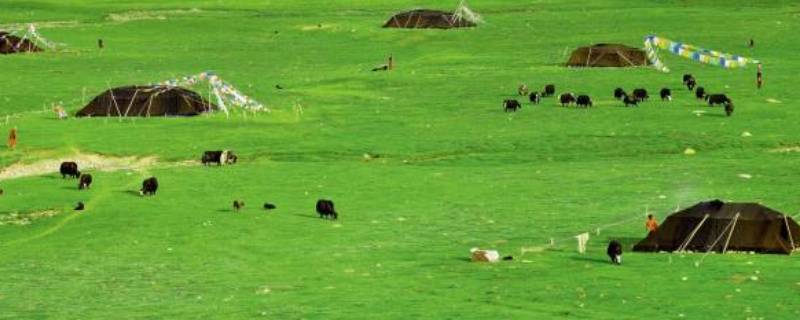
(454, 171)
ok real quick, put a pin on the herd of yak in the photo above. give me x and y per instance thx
(637, 96)
(324, 207)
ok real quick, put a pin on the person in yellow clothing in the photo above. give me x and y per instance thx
(651, 223)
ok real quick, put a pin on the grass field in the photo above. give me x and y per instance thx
(454, 171)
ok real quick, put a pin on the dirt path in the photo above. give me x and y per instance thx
(86, 162)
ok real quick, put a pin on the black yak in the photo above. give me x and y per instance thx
(269, 206)
(628, 101)
(511, 105)
(219, 157)
(85, 181)
(566, 99)
(325, 209)
(700, 93)
(149, 186)
(535, 97)
(640, 94)
(70, 169)
(619, 93)
(79, 206)
(583, 101)
(549, 90)
(614, 252)
(690, 84)
(686, 78)
(666, 94)
(717, 99)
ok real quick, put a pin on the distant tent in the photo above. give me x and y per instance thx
(145, 101)
(423, 19)
(719, 226)
(608, 55)
(13, 44)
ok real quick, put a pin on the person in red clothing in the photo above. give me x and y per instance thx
(651, 224)
(12, 138)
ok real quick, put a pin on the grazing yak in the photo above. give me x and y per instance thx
(325, 209)
(717, 99)
(666, 94)
(628, 101)
(686, 77)
(729, 108)
(584, 101)
(640, 94)
(269, 206)
(690, 84)
(237, 205)
(85, 181)
(614, 252)
(566, 99)
(549, 90)
(535, 97)
(619, 93)
(149, 186)
(700, 93)
(70, 169)
(219, 157)
(79, 206)
(511, 105)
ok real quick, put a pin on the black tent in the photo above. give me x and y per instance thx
(608, 55)
(423, 19)
(145, 101)
(719, 226)
(12, 44)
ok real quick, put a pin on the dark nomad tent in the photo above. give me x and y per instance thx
(607, 55)
(12, 44)
(145, 101)
(423, 18)
(719, 226)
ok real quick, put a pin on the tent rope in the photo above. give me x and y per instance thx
(730, 225)
(691, 235)
(789, 232)
(727, 241)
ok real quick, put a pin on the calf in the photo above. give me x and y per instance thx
(629, 101)
(729, 108)
(619, 93)
(717, 99)
(614, 252)
(325, 209)
(237, 205)
(149, 186)
(584, 101)
(690, 84)
(70, 169)
(549, 90)
(566, 99)
(511, 105)
(269, 206)
(666, 94)
(700, 93)
(219, 157)
(85, 181)
(686, 78)
(535, 97)
(640, 94)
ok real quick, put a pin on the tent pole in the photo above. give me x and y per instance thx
(691, 235)
(789, 232)
(114, 99)
(728, 241)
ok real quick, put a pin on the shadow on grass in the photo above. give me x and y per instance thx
(308, 216)
(591, 259)
(130, 193)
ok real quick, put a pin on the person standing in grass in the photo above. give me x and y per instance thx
(759, 77)
(12, 138)
(651, 224)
